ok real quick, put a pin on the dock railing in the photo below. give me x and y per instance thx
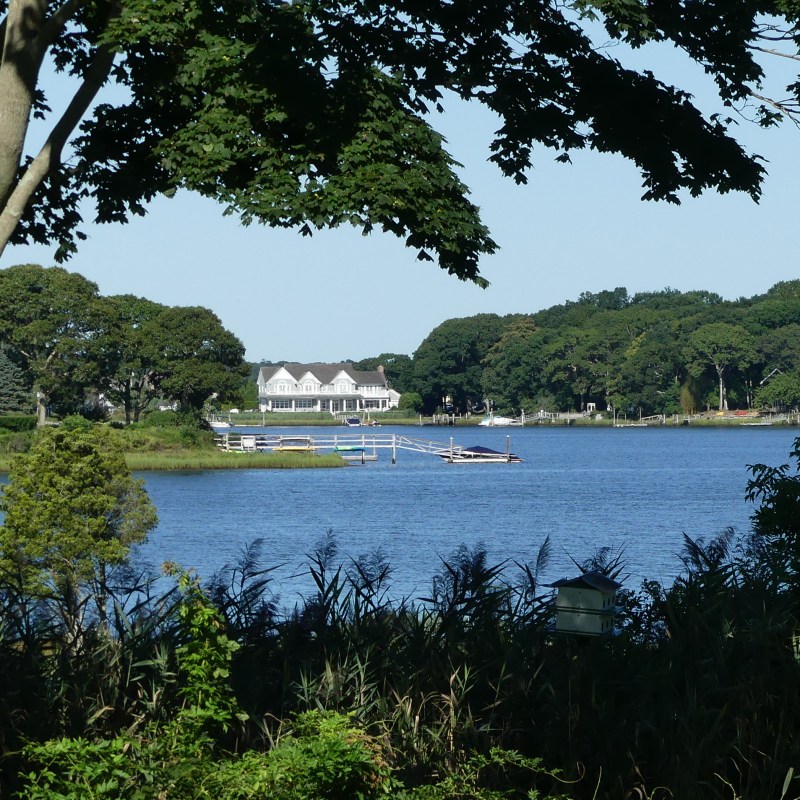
(270, 442)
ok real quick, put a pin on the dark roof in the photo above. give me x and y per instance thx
(591, 580)
(481, 450)
(327, 372)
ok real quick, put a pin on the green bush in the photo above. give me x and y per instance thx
(76, 422)
(161, 419)
(17, 422)
(15, 442)
(410, 401)
(139, 437)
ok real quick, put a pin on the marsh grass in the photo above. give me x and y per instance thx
(697, 696)
(213, 459)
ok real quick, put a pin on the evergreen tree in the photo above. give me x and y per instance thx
(15, 392)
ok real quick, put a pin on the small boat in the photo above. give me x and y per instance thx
(295, 444)
(493, 420)
(477, 454)
(355, 453)
(219, 424)
(352, 422)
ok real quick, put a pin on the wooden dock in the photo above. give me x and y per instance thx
(355, 447)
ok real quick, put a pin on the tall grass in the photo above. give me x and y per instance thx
(191, 460)
(698, 693)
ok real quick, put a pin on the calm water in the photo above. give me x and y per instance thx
(636, 488)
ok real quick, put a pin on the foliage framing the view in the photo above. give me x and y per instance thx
(316, 114)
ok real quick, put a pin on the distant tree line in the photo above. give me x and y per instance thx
(652, 352)
(63, 346)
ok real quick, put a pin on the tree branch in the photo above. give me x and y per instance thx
(791, 113)
(55, 24)
(776, 53)
(49, 157)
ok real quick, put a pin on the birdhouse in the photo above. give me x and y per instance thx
(585, 605)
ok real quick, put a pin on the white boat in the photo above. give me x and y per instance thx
(219, 424)
(493, 420)
(295, 444)
(477, 454)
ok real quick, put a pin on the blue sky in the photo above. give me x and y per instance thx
(573, 228)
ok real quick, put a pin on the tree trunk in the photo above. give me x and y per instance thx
(41, 408)
(19, 72)
(27, 38)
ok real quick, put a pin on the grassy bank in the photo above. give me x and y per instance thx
(215, 459)
(175, 447)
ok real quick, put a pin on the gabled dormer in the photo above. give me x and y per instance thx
(308, 383)
(343, 383)
(276, 380)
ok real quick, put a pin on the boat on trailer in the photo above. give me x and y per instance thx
(478, 454)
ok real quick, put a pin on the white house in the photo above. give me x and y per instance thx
(336, 388)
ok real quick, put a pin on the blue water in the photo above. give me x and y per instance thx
(631, 489)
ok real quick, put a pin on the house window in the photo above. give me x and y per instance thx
(304, 405)
(279, 404)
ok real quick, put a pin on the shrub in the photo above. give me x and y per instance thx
(161, 419)
(15, 442)
(17, 422)
(76, 422)
(410, 401)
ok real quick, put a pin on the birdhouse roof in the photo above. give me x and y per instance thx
(589, 580)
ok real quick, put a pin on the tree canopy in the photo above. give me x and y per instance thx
(47, 317)
(72, 511)
(308, 115)
(73, 342)
(658, 352)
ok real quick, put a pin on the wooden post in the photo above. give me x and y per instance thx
(394, 448)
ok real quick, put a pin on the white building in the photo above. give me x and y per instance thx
(336, 388)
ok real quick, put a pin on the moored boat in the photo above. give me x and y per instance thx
(492, 420)
(295, 444)
(478, 454)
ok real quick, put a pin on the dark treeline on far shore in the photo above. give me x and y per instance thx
(664, 352)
